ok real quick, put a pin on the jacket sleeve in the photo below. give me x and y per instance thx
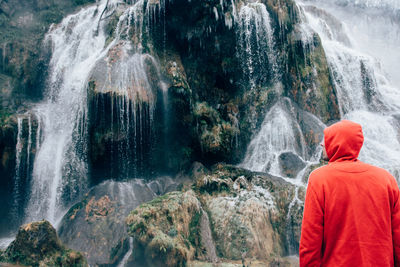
(396, 226)
(312, 229)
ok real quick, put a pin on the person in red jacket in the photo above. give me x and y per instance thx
(352, 209)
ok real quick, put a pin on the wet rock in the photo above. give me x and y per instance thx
(310, 80)
(96, 225)
(291, 164)
(161, 229)
(178, 109)
(15, 172)
(122, 97)
(248, 219)
(37, 244)
(312, 129)
(216, 136)
(8, 134)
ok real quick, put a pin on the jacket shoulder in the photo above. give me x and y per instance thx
(384, 174)
(318, 174)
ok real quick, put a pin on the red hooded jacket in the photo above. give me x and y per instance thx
(352, 209)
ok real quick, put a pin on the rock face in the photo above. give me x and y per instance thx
(204, 78)
(8, 140)
(96, 225)
(290, 164)
(18, 138)
(247, 215)
(37, 244)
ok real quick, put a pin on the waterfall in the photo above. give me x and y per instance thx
(125, 78)
(280, 132)
(367, 92)
(255, 49)
(38, 134)
(255, 44)
(125, 259)
(18, 171)
(60, 171)
(28, 150)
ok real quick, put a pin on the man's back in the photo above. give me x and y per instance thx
(351, 215)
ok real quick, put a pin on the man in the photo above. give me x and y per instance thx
(352, 209)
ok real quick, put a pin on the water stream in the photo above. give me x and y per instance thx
(125, 259)
(367, 93)
(206, 237)
(365, 80)
(60, 165)
(80, 53)
(18, 172)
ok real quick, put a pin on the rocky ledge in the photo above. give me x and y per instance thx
(228, 216)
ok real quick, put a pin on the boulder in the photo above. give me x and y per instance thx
(96, 225)
(37, 244)
(161, 229)
(290, 164)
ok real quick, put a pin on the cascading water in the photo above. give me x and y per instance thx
(279, 133)
(123, 106)
(256, 44)
(28, 149)
(367, 93)
(255, 48)
(367, 89)
(281, 136)
(122, 81)
(18, 173)
(125, 259)
(60, 168)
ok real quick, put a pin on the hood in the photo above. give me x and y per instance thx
(343, 141)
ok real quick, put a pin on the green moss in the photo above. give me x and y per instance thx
(5, 116)
(37, 244)
(4, 20)
(161, 228)
(50, 16)
(110, 30)
(215, 135)
(82, 2)
(194, 230)
(158, 200)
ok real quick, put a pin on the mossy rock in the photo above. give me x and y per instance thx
(96, 225)
(247, 214)
(216, 136)
(37, 244)
(161, 229)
